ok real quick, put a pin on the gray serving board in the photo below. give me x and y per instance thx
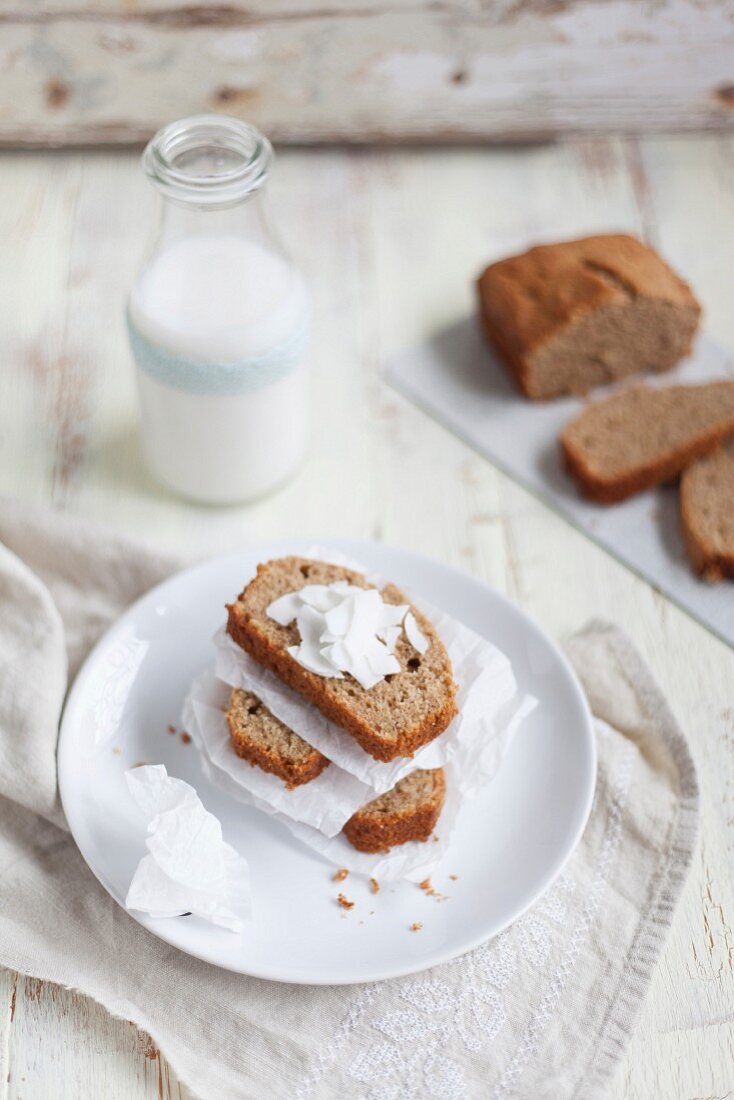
(456, 379)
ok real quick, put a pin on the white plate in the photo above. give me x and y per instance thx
(509, 843)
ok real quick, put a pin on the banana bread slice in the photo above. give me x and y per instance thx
(263, 740)
(569, 316)
(707, 513)
(642, 436)
(408, 812)
(394, 718)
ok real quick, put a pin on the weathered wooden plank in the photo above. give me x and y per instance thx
(122, 1062)
(405, 70)
(390, 242)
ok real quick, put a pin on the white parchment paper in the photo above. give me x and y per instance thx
(488, 701)
(413, 861)
(189, 868)
(324, 804)
(472, 765)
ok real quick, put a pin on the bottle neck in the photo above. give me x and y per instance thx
(246, 219)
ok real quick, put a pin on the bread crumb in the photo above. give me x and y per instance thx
(170, 729)
(416, 926)
(430, 891)
(186, 738)
(345, 902)
(436, 839)
(117, 750)
(454, 878)
(374, 886)
(341, 874)
(139, 764)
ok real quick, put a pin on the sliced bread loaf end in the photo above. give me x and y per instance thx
(707, 513)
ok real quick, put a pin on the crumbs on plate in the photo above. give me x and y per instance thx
(186, 738)
(430, 891)
(416, 926)
(344, 902)
(374, 886)
(340, 875)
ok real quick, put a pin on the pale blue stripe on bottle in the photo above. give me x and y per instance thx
(218, 379)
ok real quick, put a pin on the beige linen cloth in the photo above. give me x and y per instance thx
(543, 1010)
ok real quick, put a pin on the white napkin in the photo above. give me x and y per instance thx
(189, 868)
(543, 1010)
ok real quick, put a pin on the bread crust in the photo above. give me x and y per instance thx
(379, 832)
(711, 564)
(527, 300)
(514, 359)
(245, 631)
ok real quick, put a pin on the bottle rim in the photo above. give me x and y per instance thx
(250, 155)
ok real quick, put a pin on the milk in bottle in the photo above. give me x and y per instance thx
(218, 320)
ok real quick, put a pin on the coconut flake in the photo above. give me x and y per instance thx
(394, 613)
(284, 610)
(308, 653)
(323, 597)
(389, 635)
(413, 633)
(346, 629)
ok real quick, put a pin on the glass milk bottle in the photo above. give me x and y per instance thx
(218, 320)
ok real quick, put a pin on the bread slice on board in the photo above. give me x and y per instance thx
(707, 513)
(642, 436)
(396, 716)
(408, 812)
(569, 316)
(263, 740)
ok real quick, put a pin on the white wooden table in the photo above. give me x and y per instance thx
(391, 241)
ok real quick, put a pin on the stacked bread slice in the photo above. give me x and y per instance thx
(404, 710)
(407, 812)
(334, 705)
